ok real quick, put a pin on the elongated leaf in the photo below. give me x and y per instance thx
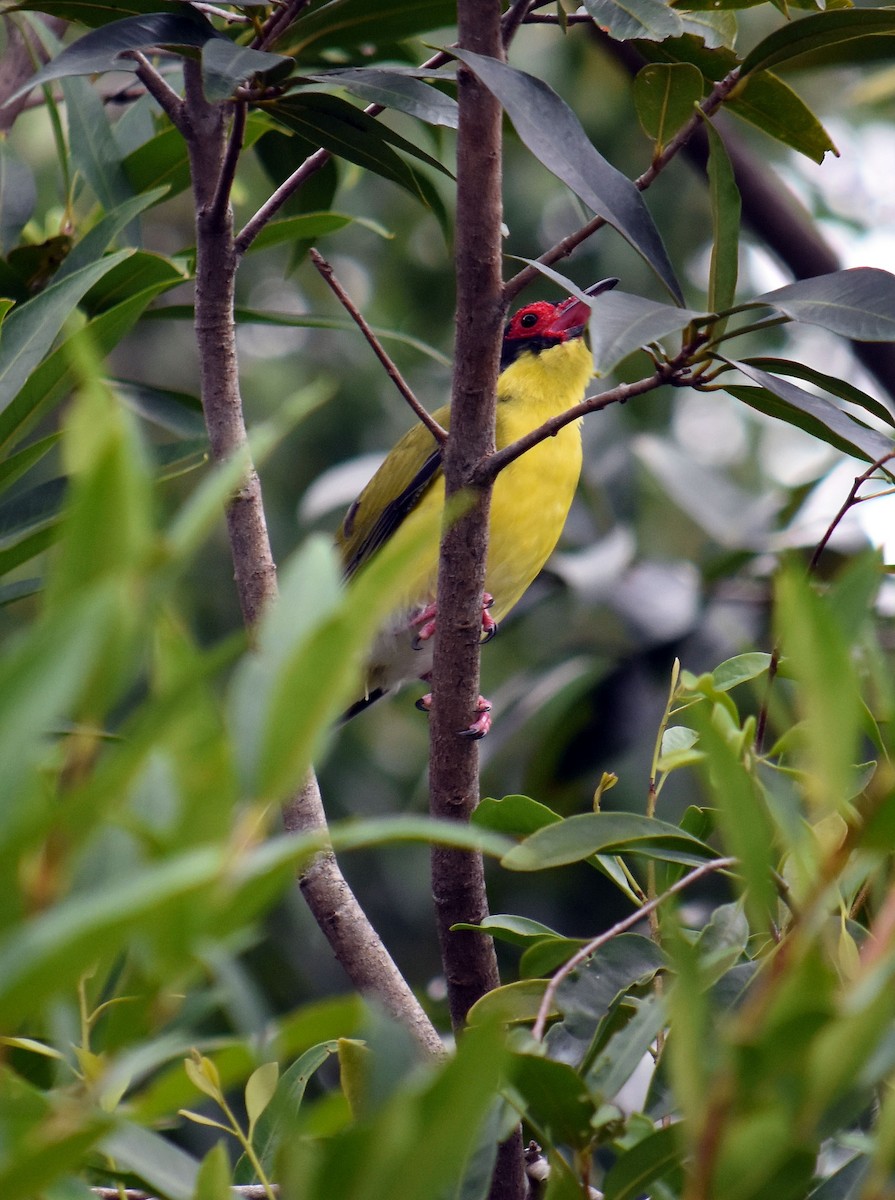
(578, 837)
(626, 19)
(294, 229)
(554, 1099)
(225, 66)
(725, 198)
(830, 383)
(94, 244)
(94, 13)
(643, 1164)
(94, 150)
(17, 465)
(624, 323)
(279, 1117)
(815, 414)
(553, 133)
(18, 195)
(859, 303)
(521, 931)
(817, 32)
(665, 95)
(349, 23)
(394, 90)
(625, 1050)
(161, 1165)
(31, 328)
(773, 107)
(349, 133)
(163, 160)
(100, 49)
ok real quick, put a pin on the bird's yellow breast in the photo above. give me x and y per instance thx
(532, 496)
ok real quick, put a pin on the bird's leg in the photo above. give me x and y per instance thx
(479, 726)
(424, 622)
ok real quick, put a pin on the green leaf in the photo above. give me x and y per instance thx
(625, 323)
(773, 107)
(226, 66)
(18, 195)
(512, 1003)
(649, 19)
(553, 133)
(520, 931)
(740, 669)
(577, 838)
(554, 1099)
(163, 161)
(817, 416)
(817, 32)
(858, 303)
(352, 23)
(176, 412)
(397, 91)
(92, 144)
(31, 328)
(100, 50)
(278, 1118)
(638, 1168)
(517, 815)
(303, 227)
(99, 12)
(830, 383)
(17, 465)
(625, 1050)
(156, 1161)
(665, 95)
(144, 270)
(259, 1091)
(725, 198)
(214, 1179)
(94, 243)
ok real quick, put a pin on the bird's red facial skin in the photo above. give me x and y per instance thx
(532, 321)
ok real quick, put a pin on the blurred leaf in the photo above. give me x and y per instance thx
(99, 12)
(278, 1119)
(350, 23)
(554, 1099)
(817, 416)
(227, 65)
(626, 1049)
(643, 1164)
(156, 1161)
(394, 90)
(817, 32)
(18, 195)
(858, 303)
(829, 383)
(31, 328)
(665, 95)
(17, 465)
(101, 49)
(625, 323)
(650, 19)
(31, 509)
(177, 412)
(213, 1180)
(259, 1091)
(740, 669)
(553, 133)
(578, 837)
(92, 144)
(725, 198)
(844, 1183)
(97, 240)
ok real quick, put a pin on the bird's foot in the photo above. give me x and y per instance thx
(479, 726)
(424, 623)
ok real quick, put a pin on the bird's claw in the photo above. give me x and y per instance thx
(479, 727)
(424, 623)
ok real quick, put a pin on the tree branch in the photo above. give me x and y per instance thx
(163, 94)
(392, 371)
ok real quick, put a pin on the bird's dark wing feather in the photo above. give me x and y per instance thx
(394, 513)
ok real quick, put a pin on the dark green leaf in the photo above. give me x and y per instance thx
(577, 838)
(349, 23)
(521, 931)
(554, 1099)
(518, 815)
(649, 1160)
(100, 50)
(858, 303)
(99, 12)
(177, 412)
(817, 32)
(278, 1119)
(650, 19)
(27, 548)
(844, 1183)
(304, 227)
(92, 144)
(725, 198)
(625, 323)
(553, 133)
(830, 383)
(665, 95)
(18, 195)
(814, 414)
(97, 240)
(626, 1049)
(394, 90)
(141, 273)
(17, 465)
(226, 65)
(31, 328)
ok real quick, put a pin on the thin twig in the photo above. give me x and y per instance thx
(163, 94)
(231, 159)
(706, 868)
(391, 369)
(250, 1191)
(564, 248)
(513, 18)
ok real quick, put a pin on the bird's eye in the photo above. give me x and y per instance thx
(528, 319)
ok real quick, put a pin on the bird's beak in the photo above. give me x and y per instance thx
(573, 315)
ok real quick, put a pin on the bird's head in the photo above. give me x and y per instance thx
(542, 325)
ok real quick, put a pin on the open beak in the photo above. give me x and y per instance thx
(573, 315)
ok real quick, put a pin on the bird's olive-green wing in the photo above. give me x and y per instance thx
(405, 476)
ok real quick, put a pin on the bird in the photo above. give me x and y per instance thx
(545, 367)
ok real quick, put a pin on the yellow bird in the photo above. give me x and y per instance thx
(545, 367)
